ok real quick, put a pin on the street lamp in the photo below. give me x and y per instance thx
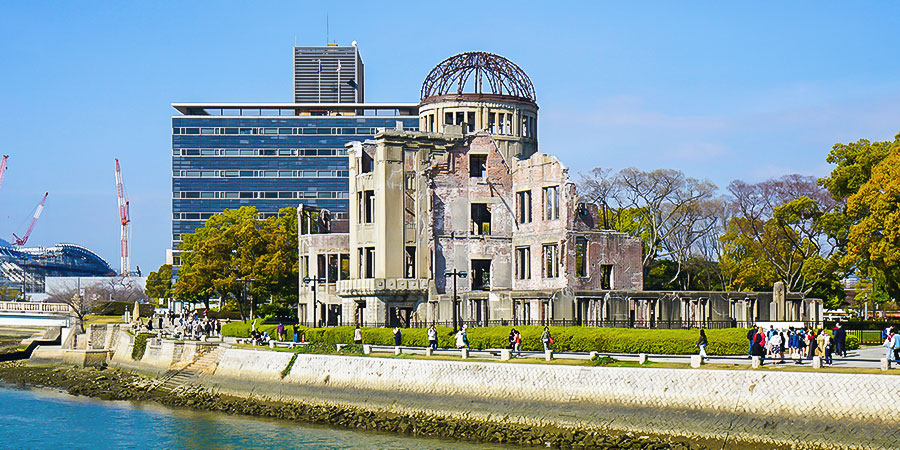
(315, 287)
(455, 274)
(244, 282)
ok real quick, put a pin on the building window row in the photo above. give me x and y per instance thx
(259, 152)
(274, 131)
(550, 200)
(231, 195)
(260, 173)
(331, 267)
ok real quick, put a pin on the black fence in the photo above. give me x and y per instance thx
(647, 324)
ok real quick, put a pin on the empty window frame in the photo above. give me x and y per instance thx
(581, 256)
(551, 203)
(481, 274)
(523, 206)
(523, 263)
(481, 219)
(410, 261)
(551, 260)
(477, 164)
(366, 203)
(606, 276)
(369, 262)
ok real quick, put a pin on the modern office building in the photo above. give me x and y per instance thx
(329, 74)
(276, 155)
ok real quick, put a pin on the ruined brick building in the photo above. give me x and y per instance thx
(469, 192)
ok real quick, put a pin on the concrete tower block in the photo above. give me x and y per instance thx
(505, 354)
(696, 361)
(817, 362)
(885, 364)
(756, 362)
(548, 355)
(464, 353)
(642, 358)
(367, 349)
(429, 351)
(398, 350)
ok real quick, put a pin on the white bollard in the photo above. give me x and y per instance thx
(696, 361)
(398, 350)
(594, 355)
(755, 362)
(464, 353)
(885, 364)
(367, 349)
(505, 354)
(548, 355)
(642, 358)
(429, 351)
(817, 362)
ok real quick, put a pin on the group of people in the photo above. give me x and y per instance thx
(194, 326)
(798, 343)
(891, 336)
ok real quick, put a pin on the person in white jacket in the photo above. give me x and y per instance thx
(461, 338)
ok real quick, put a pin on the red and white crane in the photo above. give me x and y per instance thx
(125, 220)
(20, 241)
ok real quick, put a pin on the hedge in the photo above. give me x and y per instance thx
(731, 341)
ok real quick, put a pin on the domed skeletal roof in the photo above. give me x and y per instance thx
(501, 75)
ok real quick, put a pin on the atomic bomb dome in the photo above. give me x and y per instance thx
(481, 92)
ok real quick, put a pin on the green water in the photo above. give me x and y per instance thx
(43, 419)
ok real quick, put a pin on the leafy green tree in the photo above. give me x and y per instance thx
(241, 259)
(159, 283)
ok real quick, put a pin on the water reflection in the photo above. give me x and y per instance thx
(49, 419)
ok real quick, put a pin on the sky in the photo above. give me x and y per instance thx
(719, 90)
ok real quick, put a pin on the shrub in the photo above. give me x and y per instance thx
(140, 344)
(731, 341)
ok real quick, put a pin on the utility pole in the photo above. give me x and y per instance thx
(455, 274)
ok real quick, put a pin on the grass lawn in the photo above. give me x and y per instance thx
(92, 319)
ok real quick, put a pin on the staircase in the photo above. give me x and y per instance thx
(204, 365)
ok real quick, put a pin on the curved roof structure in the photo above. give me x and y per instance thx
(60, 260)
(495, 73)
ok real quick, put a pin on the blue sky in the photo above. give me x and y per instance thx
(720, 90)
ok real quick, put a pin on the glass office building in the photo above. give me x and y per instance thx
(270, 156)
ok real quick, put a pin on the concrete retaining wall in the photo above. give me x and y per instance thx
(843, 410)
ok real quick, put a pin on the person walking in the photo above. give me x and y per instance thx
(280, 330)
(840, 340)
(895, 340)
(821, 341)
(357, 335)
(461, 339)
(751, 335)
(512, 338)
(776, 346)
(546, 338)
(398, 339)
(758, 347)
(432, 338)
(517, 343)
(702, 343)
(812, 343)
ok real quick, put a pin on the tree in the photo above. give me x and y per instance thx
(874, 210)
(234, 247)
(669, 211)
(785, 229)
(159, 283)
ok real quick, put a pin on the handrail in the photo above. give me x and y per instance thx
(35, 307)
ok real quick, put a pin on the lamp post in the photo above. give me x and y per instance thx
(244, 282)
(315, 287)
(455, 274)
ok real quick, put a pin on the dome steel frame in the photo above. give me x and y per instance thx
(504, 78)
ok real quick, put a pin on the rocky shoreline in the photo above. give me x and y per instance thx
(112, 384)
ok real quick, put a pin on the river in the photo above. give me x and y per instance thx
(45, 419)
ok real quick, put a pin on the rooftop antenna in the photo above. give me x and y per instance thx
(326, 27)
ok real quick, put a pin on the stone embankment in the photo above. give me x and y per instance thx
(762, 409)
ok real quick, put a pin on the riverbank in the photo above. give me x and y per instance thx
(113, 384)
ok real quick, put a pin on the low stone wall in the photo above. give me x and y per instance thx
(841, 410)
(159, 356)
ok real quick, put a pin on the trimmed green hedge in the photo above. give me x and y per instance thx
(731, 341)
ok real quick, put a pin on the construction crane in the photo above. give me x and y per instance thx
(20, 241)
(125, 219)
(3, 168)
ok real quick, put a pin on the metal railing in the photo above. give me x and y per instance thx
(646, 324)
(34, 307)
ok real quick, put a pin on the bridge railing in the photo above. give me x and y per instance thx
(33, 307)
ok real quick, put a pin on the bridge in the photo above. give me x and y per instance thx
(30, 314)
